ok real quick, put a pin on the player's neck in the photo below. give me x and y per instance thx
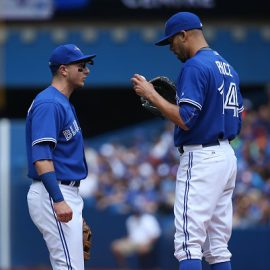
(198, 46)
(62, 88)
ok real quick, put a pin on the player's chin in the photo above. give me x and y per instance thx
(80, 84)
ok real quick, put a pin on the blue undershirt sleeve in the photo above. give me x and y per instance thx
(42, 151)
(189, 114)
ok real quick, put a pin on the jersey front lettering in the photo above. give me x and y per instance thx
(72, 131)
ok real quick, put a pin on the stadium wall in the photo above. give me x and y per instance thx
(124, 50)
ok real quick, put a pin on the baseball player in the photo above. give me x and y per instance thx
(207, 117)
(56, 160)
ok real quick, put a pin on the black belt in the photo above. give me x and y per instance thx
(65, 182)
(70, 183)
(181, 148)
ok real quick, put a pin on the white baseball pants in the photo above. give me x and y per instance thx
(203, 205)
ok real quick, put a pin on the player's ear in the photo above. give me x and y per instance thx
(182, 35)
(63, 70)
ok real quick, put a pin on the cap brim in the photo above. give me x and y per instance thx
(163, 42)
(85, 58)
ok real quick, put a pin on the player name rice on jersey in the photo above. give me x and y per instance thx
(224, 68)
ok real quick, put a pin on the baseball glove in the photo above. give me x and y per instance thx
(166, 88)
(87, 235)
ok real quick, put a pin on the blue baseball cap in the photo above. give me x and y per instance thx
(179, 22)
(68, 54)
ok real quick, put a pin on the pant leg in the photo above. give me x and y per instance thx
(63, 240)
(220, 226)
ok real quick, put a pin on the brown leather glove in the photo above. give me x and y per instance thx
(87, 234)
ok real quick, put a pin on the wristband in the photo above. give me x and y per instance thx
(49, 180)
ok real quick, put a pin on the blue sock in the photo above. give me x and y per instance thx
(221, 266)
(191, 264)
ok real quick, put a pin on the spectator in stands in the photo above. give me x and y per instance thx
(143, 231)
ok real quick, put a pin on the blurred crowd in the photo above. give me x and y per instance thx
(139, 170)
(252, 193)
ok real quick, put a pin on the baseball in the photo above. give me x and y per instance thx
(143, 77)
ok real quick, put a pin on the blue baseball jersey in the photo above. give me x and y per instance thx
(52, 118)
(209, 83)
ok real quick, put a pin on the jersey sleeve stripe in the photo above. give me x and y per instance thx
(186, 100)
(44, 140)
